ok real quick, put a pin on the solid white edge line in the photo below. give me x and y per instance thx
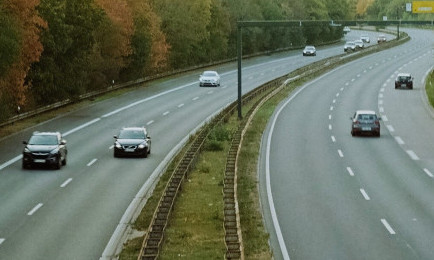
(365, 195)
(92, 162)
(66, 183)
(31, 212)
(388, 227)
(428, 173)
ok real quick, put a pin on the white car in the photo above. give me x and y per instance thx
(209, 78)
(309, 51)
(349, 46)
(359, 44)
(347, 29)
(365, 38)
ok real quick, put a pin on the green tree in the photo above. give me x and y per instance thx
(9, 42)
(64, 69)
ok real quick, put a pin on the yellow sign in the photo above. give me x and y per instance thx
(423, 7)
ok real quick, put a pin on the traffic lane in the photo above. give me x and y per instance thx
(91, 153)
(402, 176)
(409, 117)
(351, 171)
(318, 206)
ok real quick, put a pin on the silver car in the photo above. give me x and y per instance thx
(359, 44)
(349, 46)
(365, 38)
(365, 122)
(309, 51)
(209, 78)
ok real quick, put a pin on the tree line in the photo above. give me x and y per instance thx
(54, 50)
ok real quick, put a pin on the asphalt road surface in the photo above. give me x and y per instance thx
(328, 195)
(75, 212)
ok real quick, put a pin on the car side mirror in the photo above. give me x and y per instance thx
(149, 137)
(25, 142)
(115, 137)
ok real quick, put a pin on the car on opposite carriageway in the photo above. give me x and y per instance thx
(45, 148)
(132, 141)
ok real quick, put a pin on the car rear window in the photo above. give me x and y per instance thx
(366, 117)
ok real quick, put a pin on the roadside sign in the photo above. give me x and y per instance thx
(423, 7)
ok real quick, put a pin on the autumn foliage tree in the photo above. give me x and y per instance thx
(27, 24)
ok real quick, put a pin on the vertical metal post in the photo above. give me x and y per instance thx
(239, 54)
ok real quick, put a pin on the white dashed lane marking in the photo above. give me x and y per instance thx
(388, 227)
(412, 155)
(195, 98)
(166, 113)
(66, 183)
(341, 154)
(2, 240)
(428, 173)
(350, 171)
(36, 208)
(365, 195)
(180, 105)
(92, 162)
(399, 140)
(150, 122)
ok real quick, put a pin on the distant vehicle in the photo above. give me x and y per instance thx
(349, 46)
(132, 141)
(45, 148)
(359, 44)
(365, 122)
(209, 78)
(347, 29)
(365, 38)
(404, 80)
(381, 38)
(309, 51)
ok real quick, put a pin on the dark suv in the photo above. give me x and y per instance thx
(404, 80)
(45, 148)
(132, 141)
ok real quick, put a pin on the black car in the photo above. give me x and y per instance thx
(132, 141)
(365, 122)
(404, 80)
(45, 148)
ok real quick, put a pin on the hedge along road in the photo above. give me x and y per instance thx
(334, 196)
(72, 213)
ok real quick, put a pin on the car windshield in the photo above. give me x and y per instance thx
(132, 134)
(366, 117)
(403, 78)
(43, 140)
(209, 74)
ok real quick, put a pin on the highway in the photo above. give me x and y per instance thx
(328, 195)
(74, 213)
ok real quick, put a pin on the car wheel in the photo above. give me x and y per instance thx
(64, 161)
(58, 164)
(145, 155)
(353, 133)
(115, 154)
(25, 165)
